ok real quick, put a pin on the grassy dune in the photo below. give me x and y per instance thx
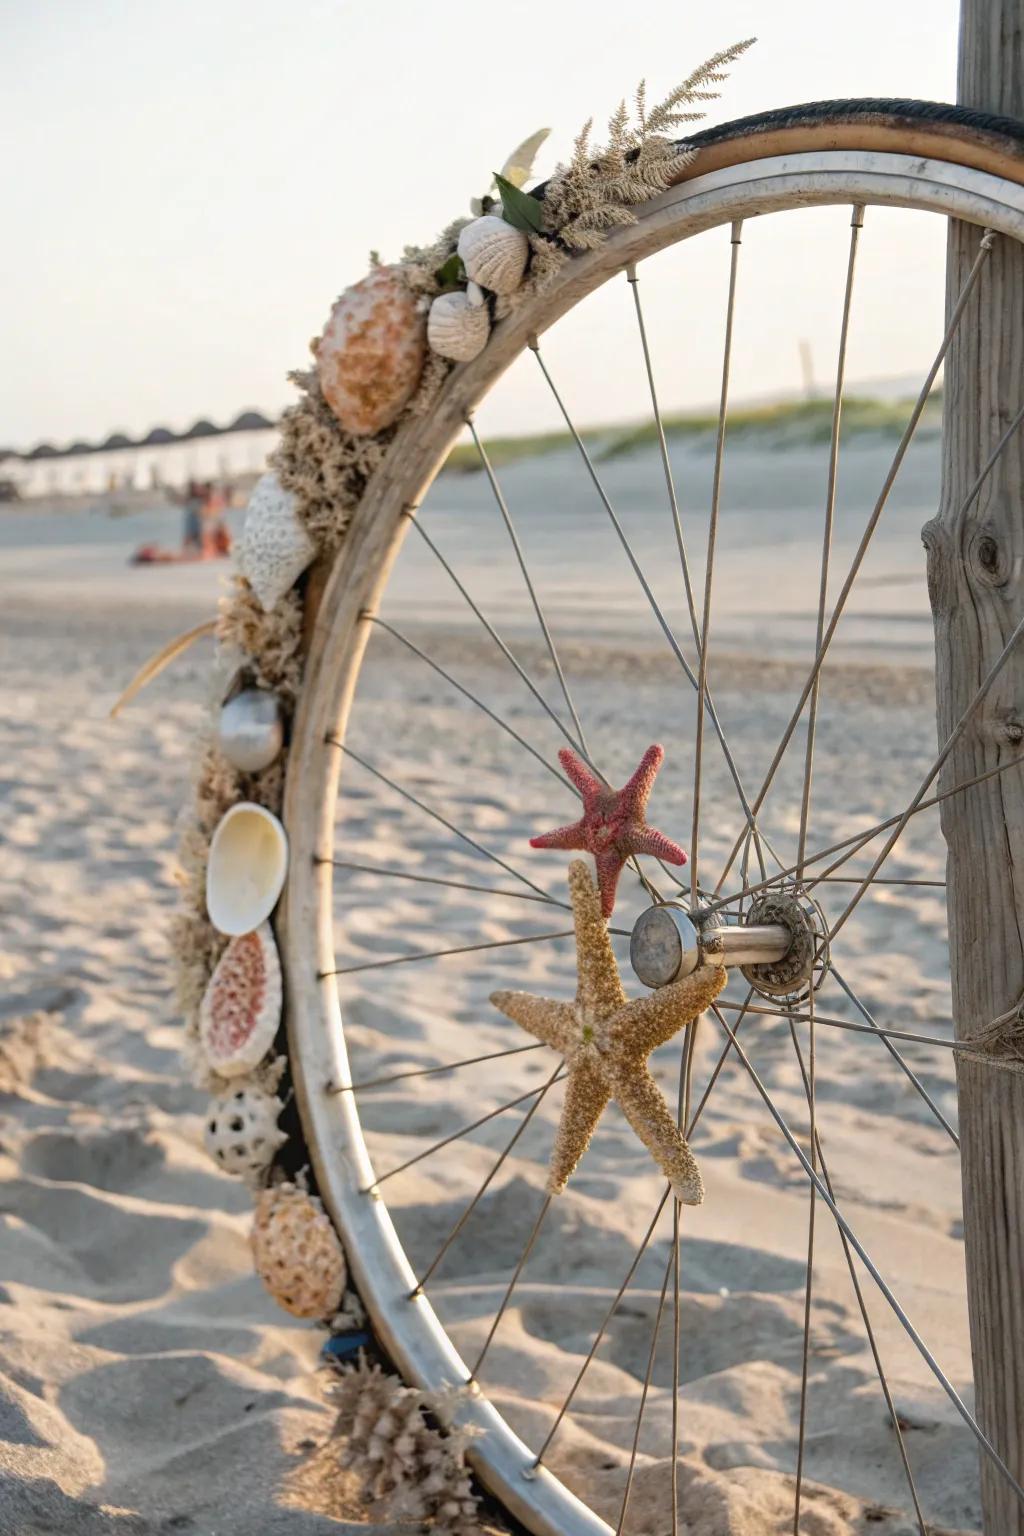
(788, 424)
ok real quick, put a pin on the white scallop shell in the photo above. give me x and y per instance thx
(494, 254)
(241, 1007)
(241, 1131)
(245, 871)
(275, 545)
(457, 327)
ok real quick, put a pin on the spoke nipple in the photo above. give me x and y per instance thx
(410, 509)
(631, 276)
(736, 238)
(415, 1293)
(533, 344)
(530, 1473)
(373, 1190)
(472, 1385)
(857, 221)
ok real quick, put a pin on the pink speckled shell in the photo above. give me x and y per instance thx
(297, 1252)
(372, 351)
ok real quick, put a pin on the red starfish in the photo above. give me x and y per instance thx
(613, 824)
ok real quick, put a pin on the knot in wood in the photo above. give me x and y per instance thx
(986, 558)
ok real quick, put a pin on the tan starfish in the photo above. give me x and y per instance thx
(606, 1041)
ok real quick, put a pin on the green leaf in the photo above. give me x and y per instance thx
(518, 208)
(452, 274)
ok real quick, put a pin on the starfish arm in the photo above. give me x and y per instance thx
(586, 1097)
(650, 840)
(609, 868)
(572, 837)
(586, 782)
(634, 795)
(551, 1022)
(599, 992)
(643, 1104)
(647, 1022)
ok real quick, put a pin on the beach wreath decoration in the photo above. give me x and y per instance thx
(388, 345)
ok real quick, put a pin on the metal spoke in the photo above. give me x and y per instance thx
(709, 564)
(939, 885)
(683, 1115)
(698, 1112)
(870, 1265)
(457, 1135)
(666, 466)
(440, 954)
(862, 1304)
(473, 699)
(630, 1272)
(900, 1059)
(812, 1105)
(926, 783)
(499, 642)
(646, 586)
(534, 599)
(451, 1066)
(527, 1250)
(856, 225)
(643, 1397)
(960, 1047)
(857, 841)
(987, 241)
(436, 815)
(458, 885)
(495, 1168)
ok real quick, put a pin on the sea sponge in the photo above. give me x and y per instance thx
(297, 1252)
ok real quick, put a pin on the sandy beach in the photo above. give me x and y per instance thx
(146, 1383)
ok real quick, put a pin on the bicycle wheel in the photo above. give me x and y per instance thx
(769, 845)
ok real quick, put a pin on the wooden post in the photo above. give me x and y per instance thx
(976, 580)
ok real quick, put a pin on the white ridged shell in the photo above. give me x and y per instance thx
(494, 254)
(457, 328)
(275, 546)
(241, 1007)
(241, 1132)
(297, 1253)
(245, 870)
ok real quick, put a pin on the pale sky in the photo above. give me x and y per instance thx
(187, 186)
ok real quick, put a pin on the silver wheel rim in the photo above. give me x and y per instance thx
(405, 1323)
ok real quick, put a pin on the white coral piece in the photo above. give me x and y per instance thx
(494, 254)
(276, 548)
(241, 1132)
(414, 1470)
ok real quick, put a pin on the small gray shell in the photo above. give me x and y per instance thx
(458, 328)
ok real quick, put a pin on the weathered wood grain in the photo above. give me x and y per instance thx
(976, 576)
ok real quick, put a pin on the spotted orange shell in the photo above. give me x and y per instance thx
(372, 352)
(297, 1252)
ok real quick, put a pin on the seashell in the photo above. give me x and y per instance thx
(458, 325)
(241, 1132)
(250, 729)
(275, 545)
(297, 1253)
(494, 254)
(241, 1007)
(246, 867)
(372, 352)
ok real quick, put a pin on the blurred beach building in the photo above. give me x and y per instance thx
(161, 458)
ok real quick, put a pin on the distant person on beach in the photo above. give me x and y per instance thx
(216, 536)
(192, 526)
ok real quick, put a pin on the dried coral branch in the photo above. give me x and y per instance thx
(412, 1469)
